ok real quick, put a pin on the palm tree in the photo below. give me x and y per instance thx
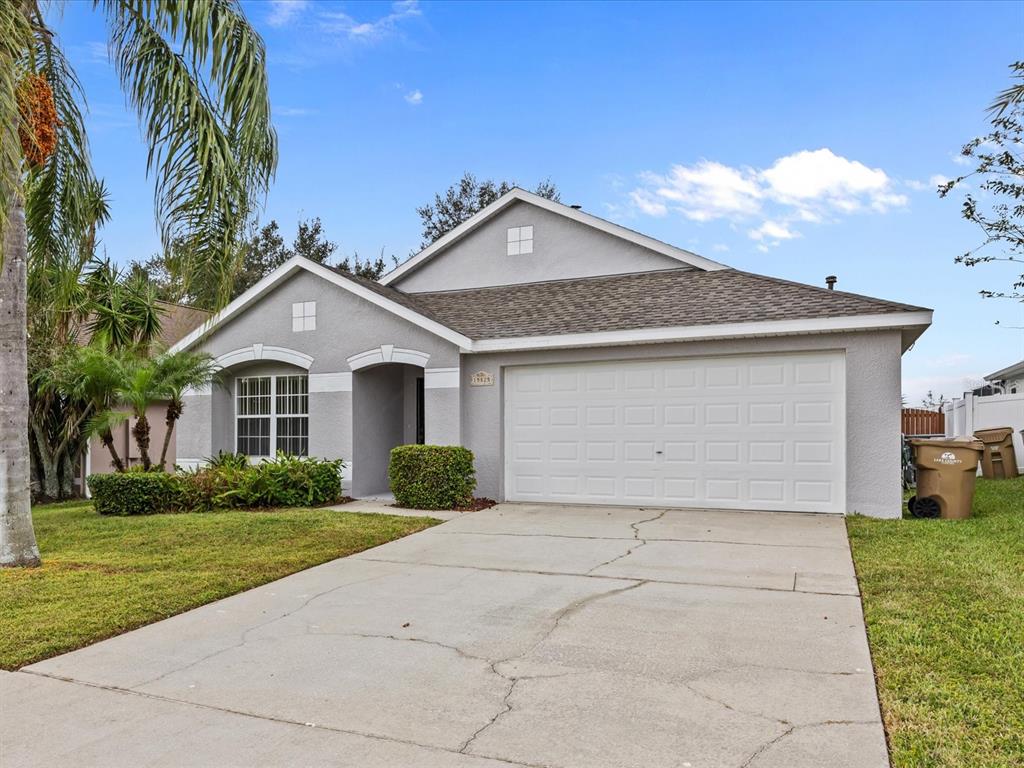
(93, 376)
(176, 372)
(140, 388)
(70, 303)
(195, 74)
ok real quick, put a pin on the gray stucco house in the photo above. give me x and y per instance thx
(580, 361)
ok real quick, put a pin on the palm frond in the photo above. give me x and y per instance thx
(1009, 97)
(60, 199)
(195, 73)
(15, 39)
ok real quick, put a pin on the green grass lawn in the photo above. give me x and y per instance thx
(944, 603)
(105, 575)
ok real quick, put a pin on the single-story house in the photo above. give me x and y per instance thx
(580, 361)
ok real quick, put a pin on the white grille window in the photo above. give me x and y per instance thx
(293, 414)
(272, 411)
(304, 316)
(253, 415)
(520, 240)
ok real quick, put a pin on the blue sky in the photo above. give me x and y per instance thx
(796, 140)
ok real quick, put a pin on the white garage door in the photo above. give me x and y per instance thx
(742, 432)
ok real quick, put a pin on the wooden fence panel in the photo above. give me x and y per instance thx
(921, 421)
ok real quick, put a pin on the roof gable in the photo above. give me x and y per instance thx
(388, 299)
(472, 224)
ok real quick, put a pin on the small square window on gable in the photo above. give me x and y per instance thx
(304, 316)
(520, 240)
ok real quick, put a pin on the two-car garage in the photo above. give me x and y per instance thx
(738, 432)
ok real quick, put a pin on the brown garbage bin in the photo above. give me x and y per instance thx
(999, 460)
(945, 477)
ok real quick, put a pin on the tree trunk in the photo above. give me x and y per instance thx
(67, 475)
(174, 408)
(108, 440)
(49, 465)
(140, 431)
(17, 538)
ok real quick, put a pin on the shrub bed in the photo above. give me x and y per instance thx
(432, 476)
(229, 482)
(134, 493)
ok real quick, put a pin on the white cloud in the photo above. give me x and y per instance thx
(720, 247)
(91, 52)
(294, 111)
(772, 230)
(951, 385)
(647, 203)
(823, 176)
(952, 360)
(809, 186)
(934, 181)
(282, 12)
(338, 22)
(702, 192)
(414, 97)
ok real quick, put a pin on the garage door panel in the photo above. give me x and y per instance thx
(760, 432)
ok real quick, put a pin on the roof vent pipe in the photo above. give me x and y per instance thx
(830, 281)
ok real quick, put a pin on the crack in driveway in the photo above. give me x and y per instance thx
(569, 610)
(634, 548)
(244, 638)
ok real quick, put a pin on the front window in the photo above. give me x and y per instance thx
(272, 414)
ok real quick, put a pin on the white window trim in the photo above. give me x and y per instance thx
(264, 352)
(516, 241)
(303, 316)
(272, 415)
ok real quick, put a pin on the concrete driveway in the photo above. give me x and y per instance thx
(520, 635)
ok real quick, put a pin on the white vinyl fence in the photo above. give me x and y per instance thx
(966, 415)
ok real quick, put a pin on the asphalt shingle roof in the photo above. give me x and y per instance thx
(676, 297)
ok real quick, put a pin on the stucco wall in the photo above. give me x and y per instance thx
(562, 248)
(872, 397)
(100, 461)
(377, 425)
(346, 325)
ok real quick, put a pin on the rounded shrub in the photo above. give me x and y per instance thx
(432, 476)
(134, 493)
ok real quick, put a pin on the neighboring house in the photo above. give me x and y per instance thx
(1008, 381)
(580, 361)
(176, 322)
(1000, 403)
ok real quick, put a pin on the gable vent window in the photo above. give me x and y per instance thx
(520, 240)
(304, 316)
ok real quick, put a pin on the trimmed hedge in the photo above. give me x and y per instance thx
(285, 481)
(432, 476)
(134, 493)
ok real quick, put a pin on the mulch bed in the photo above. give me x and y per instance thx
(479, 503)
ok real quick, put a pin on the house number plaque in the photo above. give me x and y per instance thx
(481, 379)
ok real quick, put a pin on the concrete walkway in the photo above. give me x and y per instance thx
(520, 635)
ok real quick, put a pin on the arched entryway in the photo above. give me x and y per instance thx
(388, 409)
